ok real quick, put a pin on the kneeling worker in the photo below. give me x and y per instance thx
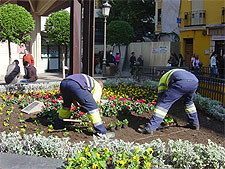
(85, 90)
(173, 85)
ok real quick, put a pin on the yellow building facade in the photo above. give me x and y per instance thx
(202, 29)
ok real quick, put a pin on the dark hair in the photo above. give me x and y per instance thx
(117, 53)
(16, 61)
(132, 53)
(180, 56)
(26, 63)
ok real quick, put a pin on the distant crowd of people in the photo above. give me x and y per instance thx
(13, 70)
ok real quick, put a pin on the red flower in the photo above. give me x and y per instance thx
(124, 101)
(121, 99)
(54, 108)
(48, 105)
(42, 106)
(113, 104)
(100, 110)
(149, 104)
(154, 103)
(72, 108)
(21, 99)
(81, 113)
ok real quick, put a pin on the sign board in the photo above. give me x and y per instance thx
(217, 37)
(179, 20)
(155, 50)
(34, 107)
(163, 49)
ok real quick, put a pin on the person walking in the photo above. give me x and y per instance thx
(12, 73)
(86, 91)
(132, 62)
(214, 70)
(173, 85)
(28, 58)
(30, 73)
(117, 61)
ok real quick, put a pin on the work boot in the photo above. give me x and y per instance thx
(59, 124)
(108, 135)
(145, 130)
(194, 127)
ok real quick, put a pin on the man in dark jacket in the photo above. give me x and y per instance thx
(13, 73)
(86, 91)
(31, 73)
(173, 85)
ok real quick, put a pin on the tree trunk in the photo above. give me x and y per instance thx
(120, 61)
(10, 58)
(63, 62)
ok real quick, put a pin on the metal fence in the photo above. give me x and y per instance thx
(210, 87)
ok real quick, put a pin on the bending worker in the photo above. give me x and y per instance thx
(173, 85)
(85, 90)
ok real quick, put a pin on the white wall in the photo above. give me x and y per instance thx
(154, 53)
(4, 55)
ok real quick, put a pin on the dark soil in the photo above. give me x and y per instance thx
(210, 128)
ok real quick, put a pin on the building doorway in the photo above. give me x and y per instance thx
(220, 47)
(188, 50)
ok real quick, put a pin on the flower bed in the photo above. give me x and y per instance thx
(123, 100)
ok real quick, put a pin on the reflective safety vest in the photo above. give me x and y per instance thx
(88, 83)
(165, 79)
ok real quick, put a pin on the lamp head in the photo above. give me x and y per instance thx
(106, 9)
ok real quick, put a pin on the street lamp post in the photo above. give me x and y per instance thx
(105, 12)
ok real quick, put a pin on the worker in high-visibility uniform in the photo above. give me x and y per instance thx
(85, 90)
(173, 85)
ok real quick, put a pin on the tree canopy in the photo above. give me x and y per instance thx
(16, 24)
(138, 13)
(58, 28)
(119, 33)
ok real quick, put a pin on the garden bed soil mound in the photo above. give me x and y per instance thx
(210, 128)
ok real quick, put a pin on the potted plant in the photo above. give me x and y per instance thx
(111, 126)
(125, 123)
(118, 125)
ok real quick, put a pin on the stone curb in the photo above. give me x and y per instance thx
(14, 161)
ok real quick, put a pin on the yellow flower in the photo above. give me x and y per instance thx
(136, 158)
(69, 160)
(25, 125)
(144, 157)
(137, 149)
(148, 164)
(16, 127)
(106, 150)
(98, 155)
(88, 155)
(49, 130)
(150, 151)
(82, 158)
(120, 163)
(0, 109)
(95, 166)
(21, 114)
(120, 155)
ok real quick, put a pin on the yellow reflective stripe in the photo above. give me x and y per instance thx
(97, 91)
(160, 112)
(190, 109)
(64, 114)
(164, 81)
(95, 118)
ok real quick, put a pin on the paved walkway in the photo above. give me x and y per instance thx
(13, 161)
(58, 76)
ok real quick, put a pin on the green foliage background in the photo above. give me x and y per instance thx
(16, 24)
(58, 28)
(119, 33)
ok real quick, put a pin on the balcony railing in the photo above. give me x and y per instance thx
(194, 18)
